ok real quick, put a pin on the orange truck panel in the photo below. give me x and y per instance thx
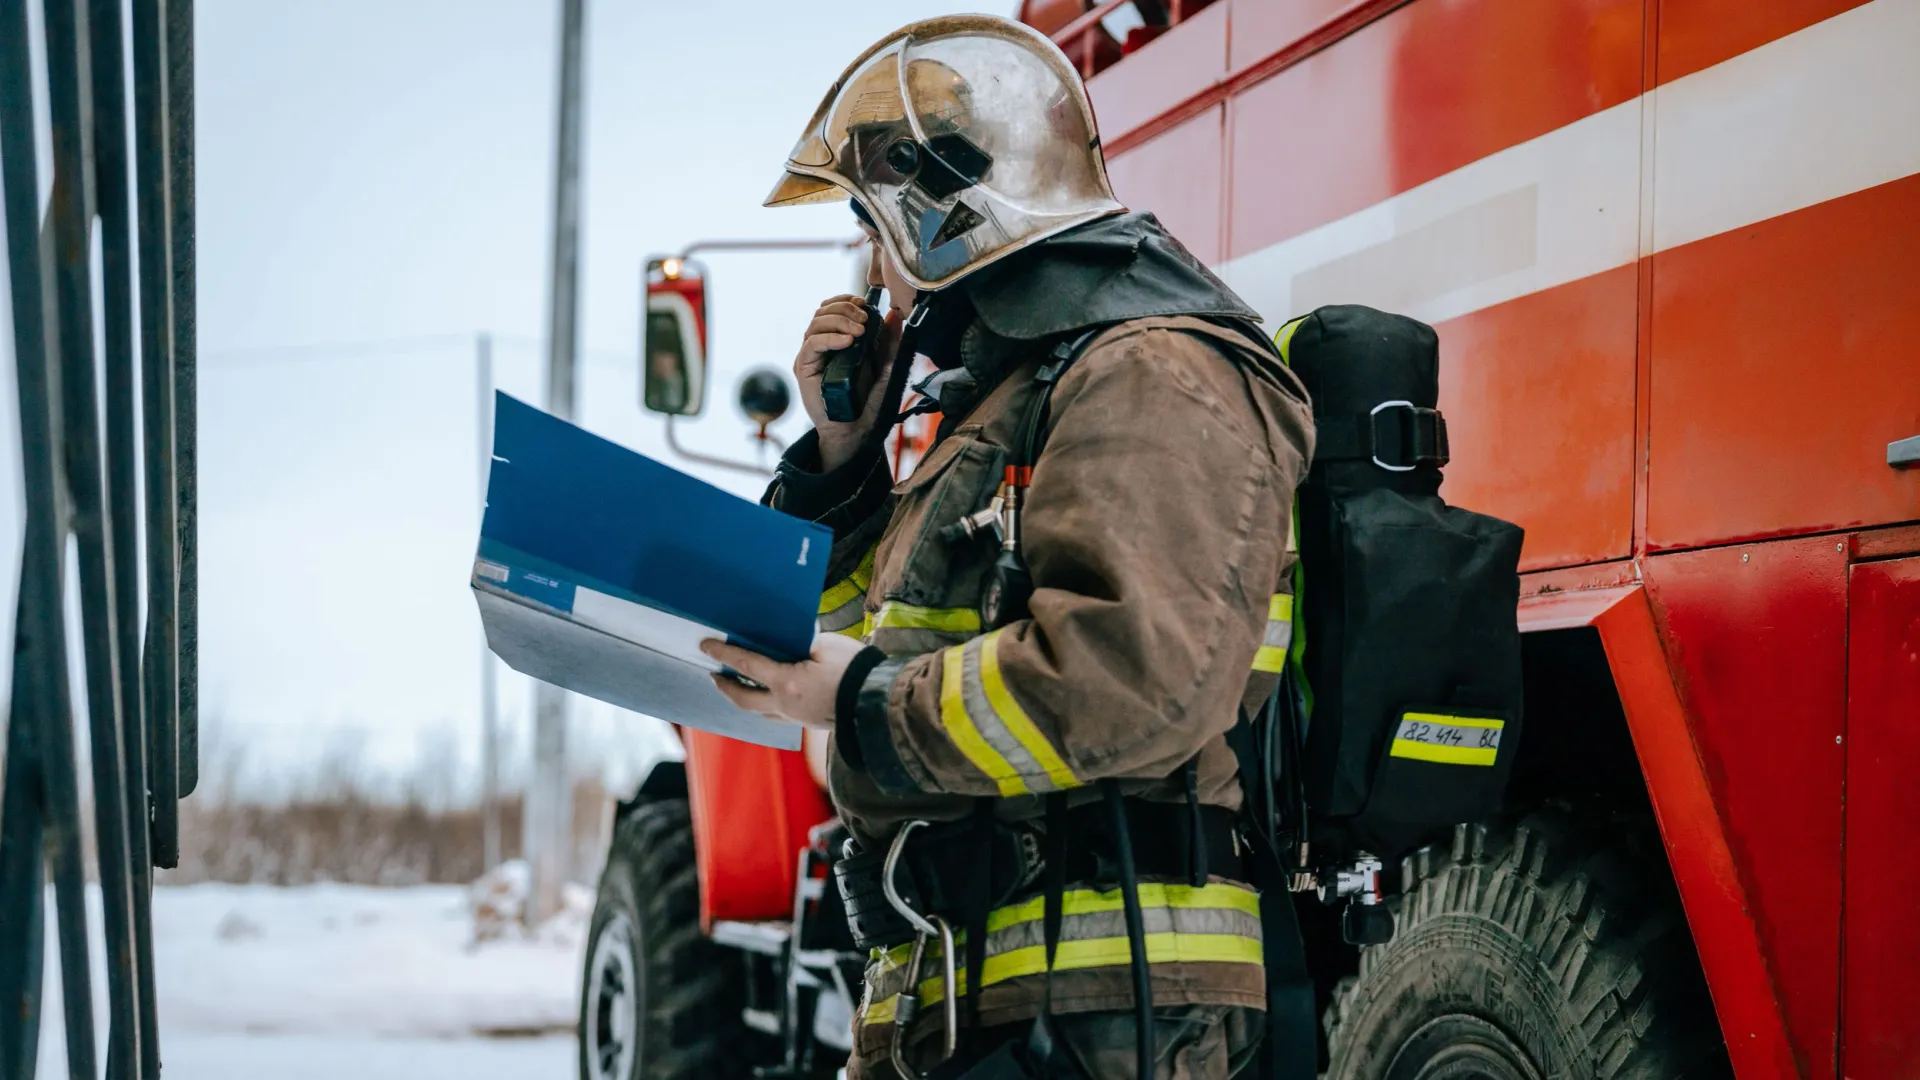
(1539, 398)
(1696, 34)
(1423, 91)
(1787, 357)
(752, 808)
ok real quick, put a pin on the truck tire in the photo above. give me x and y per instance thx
(657, 1001)
(1531, 950)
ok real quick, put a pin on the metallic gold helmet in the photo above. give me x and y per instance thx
(964, 138)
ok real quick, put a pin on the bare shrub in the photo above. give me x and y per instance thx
(346, 822)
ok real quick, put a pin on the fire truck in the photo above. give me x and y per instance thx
(1672, 251)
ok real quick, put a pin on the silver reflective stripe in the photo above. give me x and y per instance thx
(973, 693)
(846, 616)
(1279, 635)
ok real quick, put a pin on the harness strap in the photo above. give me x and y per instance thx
(1196, 835)
(980, 903)
(1136, 930)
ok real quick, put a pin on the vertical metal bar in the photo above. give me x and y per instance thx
(40, 699)
(22, 807)
(129, 938)
(180, 191)
(70, 80)
(161, 680)
(547, 832)
(23, 947)
(489, 699)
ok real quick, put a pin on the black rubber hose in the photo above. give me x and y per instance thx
(1136, 929)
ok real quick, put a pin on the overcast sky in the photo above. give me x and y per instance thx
(375, 181)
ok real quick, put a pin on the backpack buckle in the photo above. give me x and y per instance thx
(1418, 438)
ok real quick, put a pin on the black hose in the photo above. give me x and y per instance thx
(1136, 929)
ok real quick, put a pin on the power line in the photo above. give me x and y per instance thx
(270, 355)
(258, 356)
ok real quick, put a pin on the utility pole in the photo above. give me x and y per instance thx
(547, 827)
(489, 707)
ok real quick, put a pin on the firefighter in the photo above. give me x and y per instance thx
(1033, 646)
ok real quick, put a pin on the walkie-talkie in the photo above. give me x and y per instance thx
(840, 372)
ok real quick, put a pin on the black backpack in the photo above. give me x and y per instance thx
(1409, 678)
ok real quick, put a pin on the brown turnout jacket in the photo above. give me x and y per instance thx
(1156, 530)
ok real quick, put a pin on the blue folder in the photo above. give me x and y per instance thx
(600, 570)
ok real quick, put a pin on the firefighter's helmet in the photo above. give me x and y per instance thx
(964, 138)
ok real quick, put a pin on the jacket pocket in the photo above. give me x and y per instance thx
(931, 596)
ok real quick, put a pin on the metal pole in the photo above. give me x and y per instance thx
(129, 939)
(161, 670)
(548, 827)
(489, 706)
(40, 813)
(180, 185)
(70, 108)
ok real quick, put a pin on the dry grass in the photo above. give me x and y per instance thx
(345, 822)
(358, 838)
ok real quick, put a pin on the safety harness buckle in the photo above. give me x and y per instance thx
(1402, 436)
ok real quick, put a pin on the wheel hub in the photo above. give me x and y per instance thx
(1461, 1047)
(613, 999)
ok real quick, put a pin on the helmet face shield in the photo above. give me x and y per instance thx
(965, 138)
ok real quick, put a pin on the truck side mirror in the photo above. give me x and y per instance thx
(673, 337)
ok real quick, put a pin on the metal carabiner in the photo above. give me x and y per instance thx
(907, 1004)
(892, 866)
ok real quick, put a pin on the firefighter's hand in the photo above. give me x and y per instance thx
(839, 322)
(802, 693)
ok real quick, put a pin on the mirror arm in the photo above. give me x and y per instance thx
(770, 245)
(673, 443)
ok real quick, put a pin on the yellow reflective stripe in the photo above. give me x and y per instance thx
(1216, 896)
(1445, 755)
(1272, 655)
(1283, 339)
(1012, 933)
(839, 596)
(1164, 948)
(908, 617)
(1167, 948)
(1015, 718)
(850, 588)
(858, 631)
(953, 716)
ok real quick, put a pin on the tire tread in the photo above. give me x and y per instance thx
(692, 1025)
(1604, 929)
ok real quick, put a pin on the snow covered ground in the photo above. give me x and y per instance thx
(332, 981)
